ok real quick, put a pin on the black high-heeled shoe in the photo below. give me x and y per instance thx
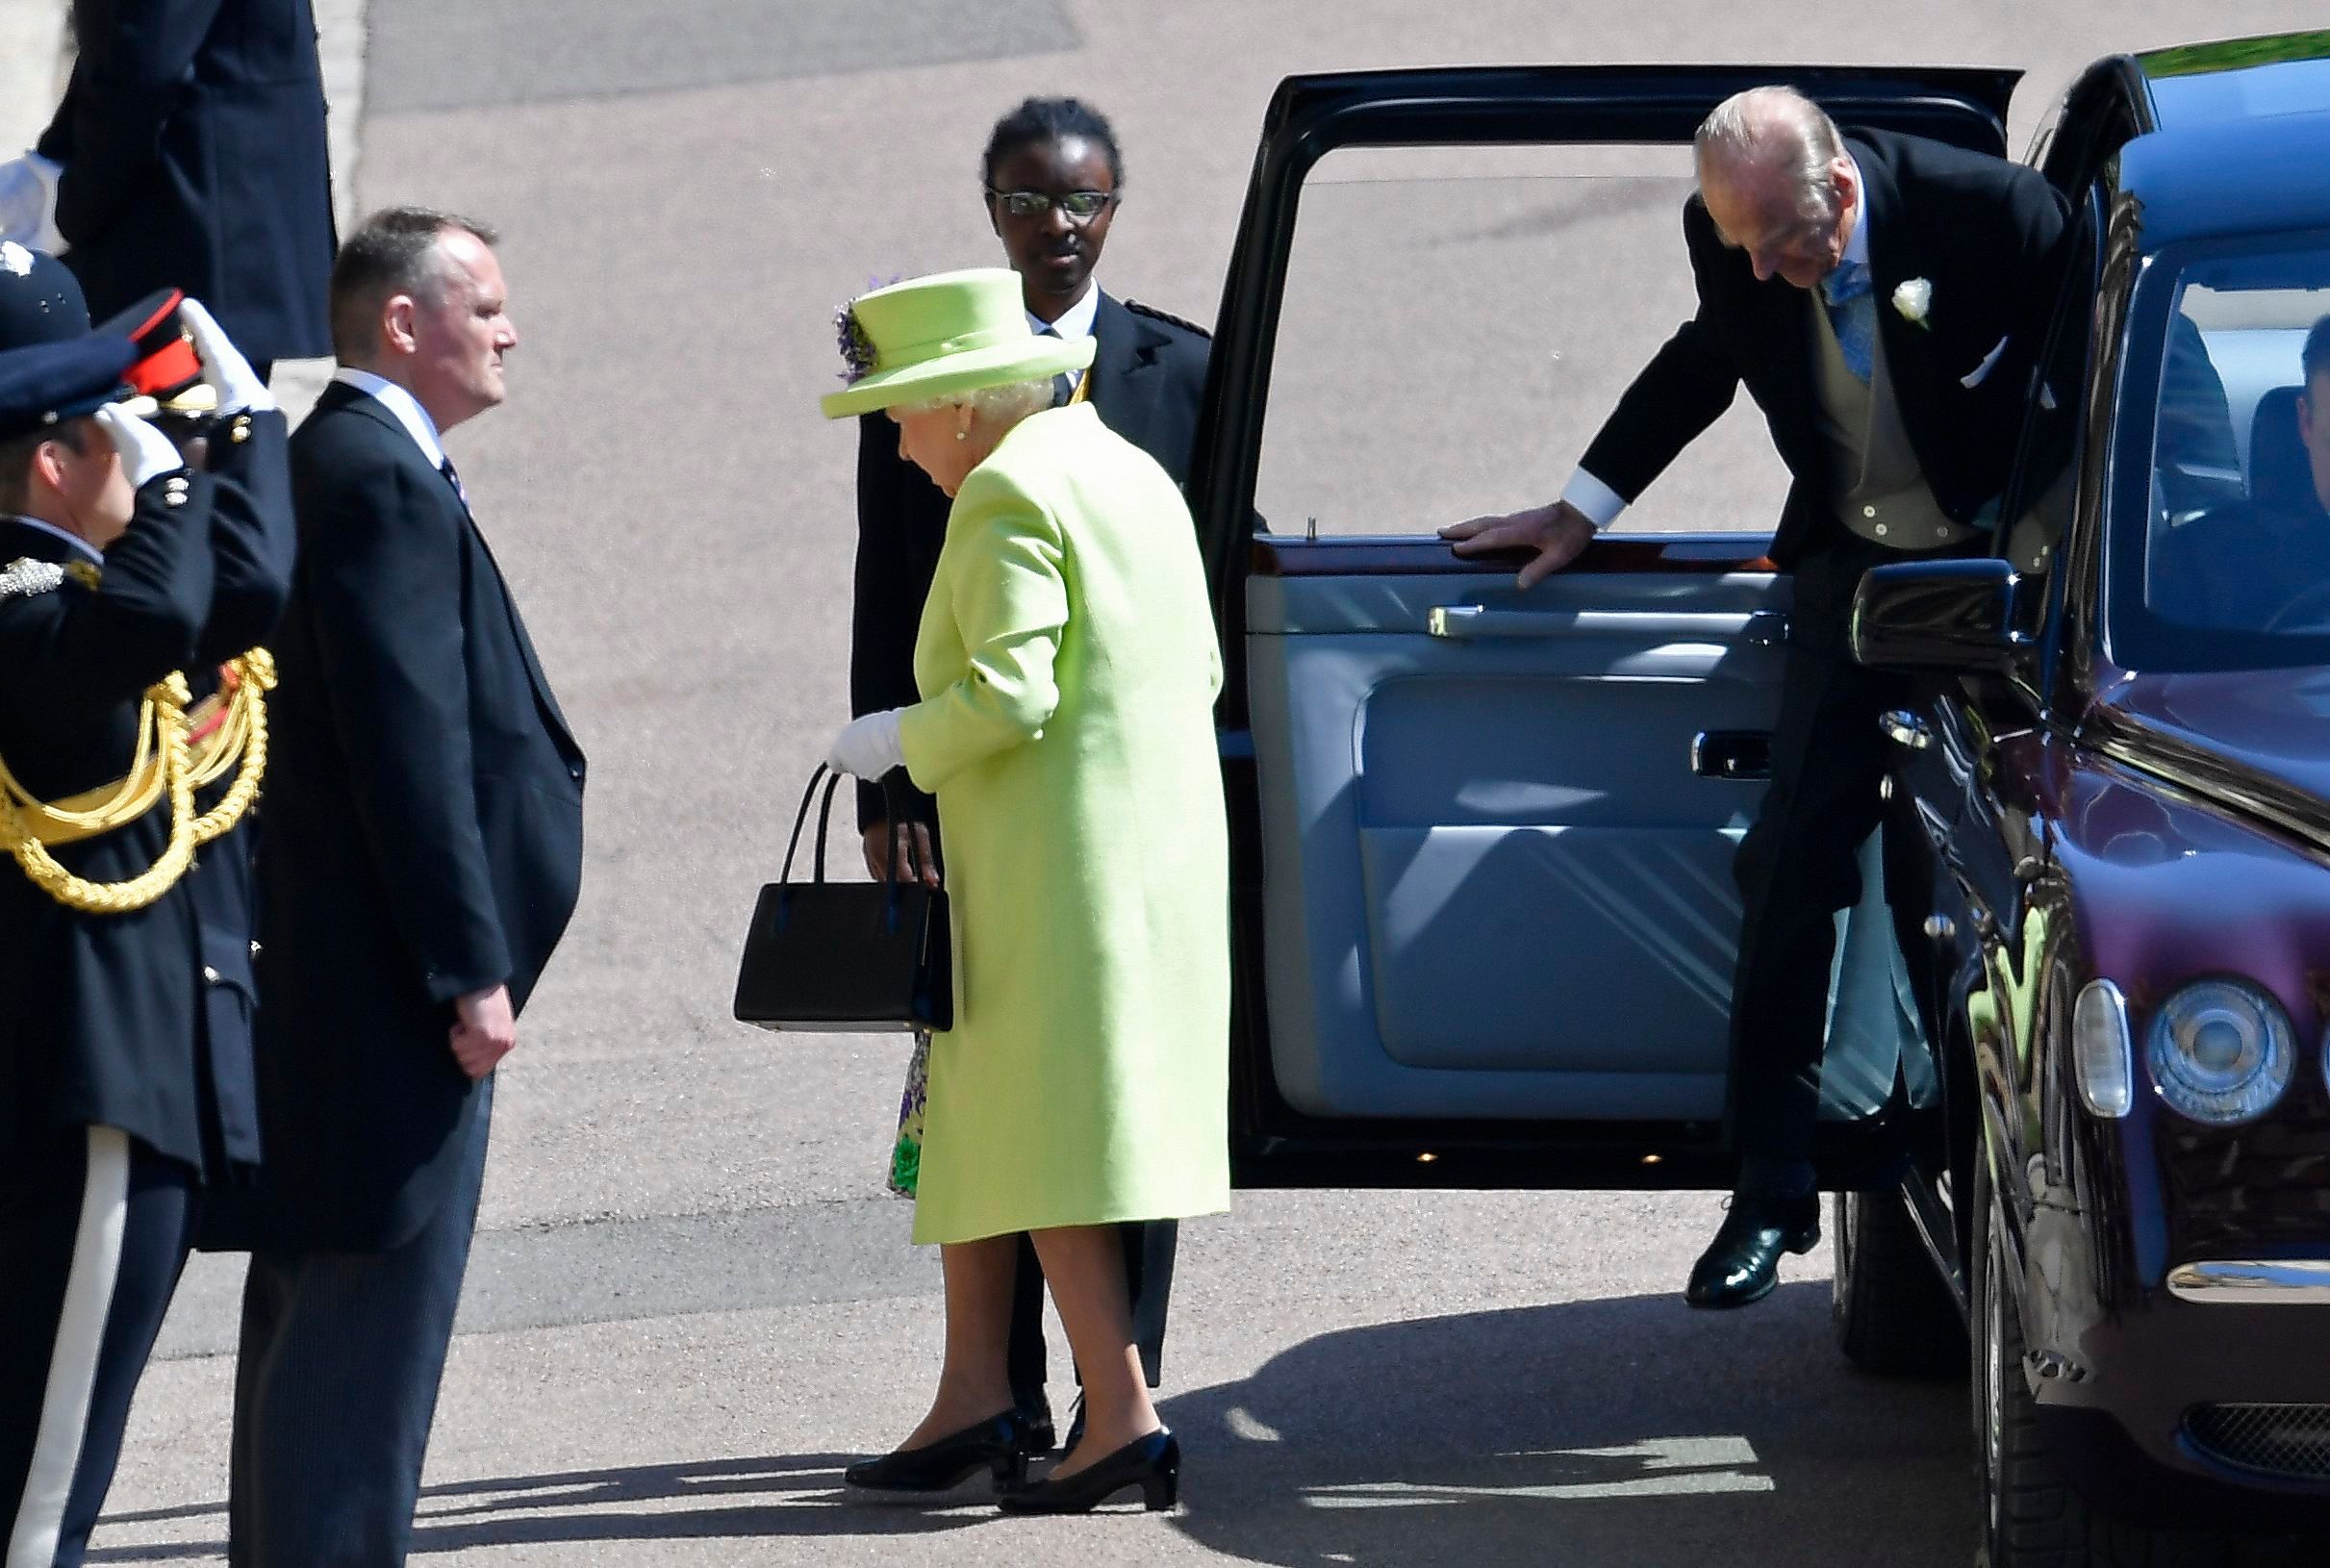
(999, 1445)
(1153, 1463)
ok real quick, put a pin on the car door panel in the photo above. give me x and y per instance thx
(1497, 882)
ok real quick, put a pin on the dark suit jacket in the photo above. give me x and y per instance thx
(193, 139)
(1987, 234)
(138, 1020)
(423, 838)
(1148, 378)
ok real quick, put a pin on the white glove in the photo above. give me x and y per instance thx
(27, 202)
(868, 747)
(146, 453)
(237, 386)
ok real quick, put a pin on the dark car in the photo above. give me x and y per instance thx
(2075, 1090)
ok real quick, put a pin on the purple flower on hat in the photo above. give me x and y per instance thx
(858, 348)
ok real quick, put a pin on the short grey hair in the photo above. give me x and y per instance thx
(1775, 130)
(392, 252)
(1005, 405)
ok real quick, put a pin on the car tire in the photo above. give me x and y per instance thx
(2031, 1515)
(1892, 1312)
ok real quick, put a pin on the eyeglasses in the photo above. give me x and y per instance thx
(1083, 206)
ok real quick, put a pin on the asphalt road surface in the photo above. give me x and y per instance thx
(691, 1300)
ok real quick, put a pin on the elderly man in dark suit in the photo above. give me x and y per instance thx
(132, 568)
(1053, 181)
(424, 855)
(1883, 298)
(189, 153)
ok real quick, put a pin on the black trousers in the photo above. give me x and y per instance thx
(95, 1230)
(328, 1445)
(1149, 1253)
(1797, 868)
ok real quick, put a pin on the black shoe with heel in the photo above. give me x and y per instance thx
(1153, 1463)
(999, 1445)
(1742, 1263)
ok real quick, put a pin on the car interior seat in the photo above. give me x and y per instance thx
(2279, 475)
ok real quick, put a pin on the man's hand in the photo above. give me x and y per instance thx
(230, 375)
(27, 203)
(914, 861)
(1555, 532)
(485, 1033)
(146, 453)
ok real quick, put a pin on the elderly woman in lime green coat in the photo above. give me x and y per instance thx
(1068, 664)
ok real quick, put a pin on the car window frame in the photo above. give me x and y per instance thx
(2128, 502)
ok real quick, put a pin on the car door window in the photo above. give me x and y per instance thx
(1458, 321)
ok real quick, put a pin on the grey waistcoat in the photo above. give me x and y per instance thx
(1883, 494)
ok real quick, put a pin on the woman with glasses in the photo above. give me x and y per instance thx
(1053, 178)
(1066, 668)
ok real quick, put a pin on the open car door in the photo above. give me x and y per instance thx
(1484, 917)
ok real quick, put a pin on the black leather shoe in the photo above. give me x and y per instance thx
(999, 1445)
(1153, 1463)
(1742, 1264)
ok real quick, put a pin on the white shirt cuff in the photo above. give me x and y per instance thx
(1599, 503)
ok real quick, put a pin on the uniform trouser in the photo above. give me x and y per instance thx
(94, 1228)
(1797, 867)
(1149, 1252)
(335, 1387)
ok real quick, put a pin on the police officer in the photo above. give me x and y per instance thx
(129, 570)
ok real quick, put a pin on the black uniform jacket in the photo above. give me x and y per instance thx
(192, 138)
(1148, 378)
(137, 1020)
(1987, 236)
(423, 838)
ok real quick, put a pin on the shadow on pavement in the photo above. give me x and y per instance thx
(1631, 1432)
(1627, 1431)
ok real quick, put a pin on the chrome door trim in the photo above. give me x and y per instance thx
(2303, 1282)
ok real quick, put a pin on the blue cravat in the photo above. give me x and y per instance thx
(1850, 294)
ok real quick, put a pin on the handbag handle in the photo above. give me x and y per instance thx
(833, 782)
(825, 817)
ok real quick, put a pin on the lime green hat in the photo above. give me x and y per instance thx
(948, 333)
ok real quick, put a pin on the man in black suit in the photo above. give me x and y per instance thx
(188, 152)
(1053, 181)
(132, 569)
(424, 855)
(1883, 298)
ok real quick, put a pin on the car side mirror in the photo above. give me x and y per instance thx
(1957, 615)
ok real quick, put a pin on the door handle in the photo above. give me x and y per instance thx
(1731, 754)
(1904, 728)
(1760, 628)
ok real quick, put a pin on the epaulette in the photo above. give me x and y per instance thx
(1170, 319)
(24, 576)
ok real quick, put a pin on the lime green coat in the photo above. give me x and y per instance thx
(1068, 667)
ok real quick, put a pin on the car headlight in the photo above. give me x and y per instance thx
(2100, 1049)
(2220, 1051)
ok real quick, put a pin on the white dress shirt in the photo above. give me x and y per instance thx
(1601, 504)
(401, 403)
(74, 540)
(1074, 323)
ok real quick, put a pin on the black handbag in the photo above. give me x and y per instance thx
(846, 957)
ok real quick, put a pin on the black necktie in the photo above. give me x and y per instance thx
(454, 480)
(1063, 385)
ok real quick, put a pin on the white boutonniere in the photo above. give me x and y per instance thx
(1912, 299)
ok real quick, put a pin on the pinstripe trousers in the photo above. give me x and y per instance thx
(336, 1388)
(95, 1230)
